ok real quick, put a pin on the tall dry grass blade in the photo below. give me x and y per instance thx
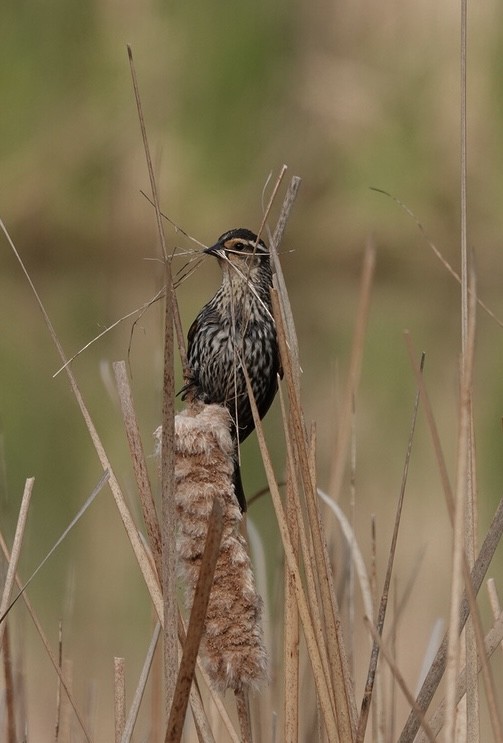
(67, 728)
(16, 550)
(139, 463)
(76, 518)
(155, 195)
(153, 184)
(196, 624)
(472, 696)
(58, 688)
(492, 641)
(463, 183)
(172, 319)
(434, 675)
(342, 684)
(244, 717)
(119, 698)
(306, 549)
(377, 638)
(140, 688)
(138, 548)
(342, 680)
(278, 277)
(460, 564)
(322, 683)
(376, 707)
(365, 708)
(271, 200)
(47, 647)
(9, 693)
(351, 546)
(291, 624)
(344, 428)
(169, 516)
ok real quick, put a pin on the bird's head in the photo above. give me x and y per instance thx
(243, 251)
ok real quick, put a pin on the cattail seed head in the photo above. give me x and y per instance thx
(233, 645)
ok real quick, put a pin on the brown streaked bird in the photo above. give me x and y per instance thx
(236, 330)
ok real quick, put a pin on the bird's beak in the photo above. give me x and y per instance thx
(215, 250)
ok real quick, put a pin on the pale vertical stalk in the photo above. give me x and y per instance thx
(461, 496)
(472, 697)
(291, 641)
(139, 463)
(243, 710)
(119, 698)
(343, 691)
(306, 550)
(140, 687)
(168, 531)
(367, 696)
(16, 549)
(58, 688)
(9, 711)
(167, 442)
(196, 624)
(321, 681)
(65, 728)
(352, 513)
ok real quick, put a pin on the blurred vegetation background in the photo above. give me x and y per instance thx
(350, 95)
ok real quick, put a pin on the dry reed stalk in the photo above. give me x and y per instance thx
(322, 681)
(168, 508)
(168, 530)
(343, 694)
(66, 717)
(196, 624)
(233, 651)
(119, 698)
(139, 463)
(16, 549)
(306, 548)
(58, 687)
(291, 628)
(10, 711)
(140, 687)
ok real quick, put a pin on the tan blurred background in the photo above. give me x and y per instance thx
(350, 96)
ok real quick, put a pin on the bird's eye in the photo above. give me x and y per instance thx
(239, 246)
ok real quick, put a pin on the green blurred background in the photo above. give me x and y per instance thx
(350, 95)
